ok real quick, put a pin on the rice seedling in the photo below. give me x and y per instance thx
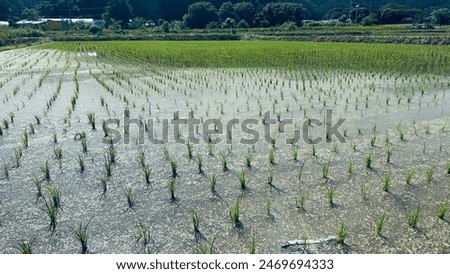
(386, 182)
(105, 129)
(388, 155)
(172, 187)
(270, 178)
(32, 130)
(26, 245)
(335, 147)
(301, 201)
(272, 157)
(199, 163)
(443, 208)
(46, 170)
(243, 180)
(189, 149)
(268, 208)
(25, 139)
(91, 119)
(295, 153)
(80, 161)
(58, 152)
(448, 168)
(235, 213)
(6, 172)
(1, 131)
(401, 134)
(412, 218)
(112, 155)
(379, 224)
(17, 158)
(325, 170)
(330, 196)
(248, 159)
(82, 235)
(173, 165)
(52, 213)
(141, 158)
(104, 185)
(210, 149)
(409, 176)
(314, 151)
(369, 160)
(253, 243)
(38, 120)
(38, 184)
(108, 166)
(147, 172)
(54, 138)
(131, 198)
(195, 223)
(429, 172)
(224, 162)
(55, 195)
(341, 234)
(350, 166)
(84, 146)
(142, 236)
(373, 139)
(5, 124)
(213, 184)
(365, 190)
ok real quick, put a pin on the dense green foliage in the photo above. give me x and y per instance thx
(366, 57)
(250, 11)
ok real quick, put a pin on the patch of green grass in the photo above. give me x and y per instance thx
(443, 208)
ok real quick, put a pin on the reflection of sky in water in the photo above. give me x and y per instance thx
(89, 53)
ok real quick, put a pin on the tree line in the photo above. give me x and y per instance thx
(232, 13)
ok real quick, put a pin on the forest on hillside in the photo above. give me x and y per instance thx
(250, 11)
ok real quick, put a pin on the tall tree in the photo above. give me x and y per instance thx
(119, 10)
(200, 14)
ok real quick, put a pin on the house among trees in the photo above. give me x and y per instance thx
(56, 23)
